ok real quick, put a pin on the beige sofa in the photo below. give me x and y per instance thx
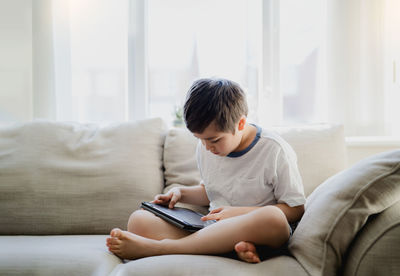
(64, 186)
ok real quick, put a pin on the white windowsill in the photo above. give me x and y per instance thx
(373, 141)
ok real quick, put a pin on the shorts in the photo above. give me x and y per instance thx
(293, 226)
(266, 252)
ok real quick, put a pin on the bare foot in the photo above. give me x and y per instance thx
(247, 252)
(127, 245)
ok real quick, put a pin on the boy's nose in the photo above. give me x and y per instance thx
(208, 147)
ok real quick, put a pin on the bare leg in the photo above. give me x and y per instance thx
(148, 225)
(264, 226)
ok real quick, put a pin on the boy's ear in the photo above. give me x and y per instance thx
(242, 122)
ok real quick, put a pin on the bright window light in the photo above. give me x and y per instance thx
(190, 39)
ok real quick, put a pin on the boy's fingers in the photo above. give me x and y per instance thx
(172, 204)
(173, 201)
(214, 214)
(165, 197)
(160, 199)
(216, 210)
(210, 217)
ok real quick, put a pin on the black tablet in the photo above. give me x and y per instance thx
(181, 217)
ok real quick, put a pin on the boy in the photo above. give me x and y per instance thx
(249, 178)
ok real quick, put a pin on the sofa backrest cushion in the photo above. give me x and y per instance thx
(69, 178)
(339, 208)
(180, 158)
(320, 149)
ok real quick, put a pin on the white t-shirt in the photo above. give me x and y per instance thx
(262, 174)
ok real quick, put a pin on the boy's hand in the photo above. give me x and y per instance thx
(223, 213)
(170, 198)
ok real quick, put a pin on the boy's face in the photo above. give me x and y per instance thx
(220, 143)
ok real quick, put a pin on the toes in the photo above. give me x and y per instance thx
(256, 259)
(246, 256)
(252, 258)
(116, 233)
(241, 247)
(249, 257)
(247, 252)
(108, 241)
(116, 251)
(114, 241)
(114, 247)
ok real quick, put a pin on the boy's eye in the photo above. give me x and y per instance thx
(215, 141)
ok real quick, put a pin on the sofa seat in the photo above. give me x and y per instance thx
(56, 255)
(88, 255)
(171, 265)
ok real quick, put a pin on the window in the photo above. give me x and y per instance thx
(299, 61)
(91, 51)
(392, 67)
(301, 56)
(190, 39)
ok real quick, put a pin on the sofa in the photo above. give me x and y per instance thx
(65, 185)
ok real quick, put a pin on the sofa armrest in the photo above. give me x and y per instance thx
(376, 249)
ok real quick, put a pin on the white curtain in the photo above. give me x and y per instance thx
(355, 66)
(88, 61)
(80, 57)
(43, 63)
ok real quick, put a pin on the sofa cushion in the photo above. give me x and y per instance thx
(176, 265)
(340, 207)
(376, 250)
(56, 255)
(321, 151)
(319, 146)
(180, 158)
(68, 178)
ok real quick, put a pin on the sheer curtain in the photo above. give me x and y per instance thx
(91, 53)
(355, 66)
(79, 60)
(300, 62)
(191, 39)
(336, 64)
(103, 60)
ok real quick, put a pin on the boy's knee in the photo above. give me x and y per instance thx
(139, 221)
(275, 220)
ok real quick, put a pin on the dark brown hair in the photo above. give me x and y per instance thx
(214, 100)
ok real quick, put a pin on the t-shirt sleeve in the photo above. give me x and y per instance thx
(288, 185)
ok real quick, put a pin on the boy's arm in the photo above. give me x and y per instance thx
(194, 195)
(292, 213)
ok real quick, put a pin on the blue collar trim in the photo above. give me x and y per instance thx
(242, 152)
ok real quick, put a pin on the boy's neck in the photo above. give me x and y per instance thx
(249, 133)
